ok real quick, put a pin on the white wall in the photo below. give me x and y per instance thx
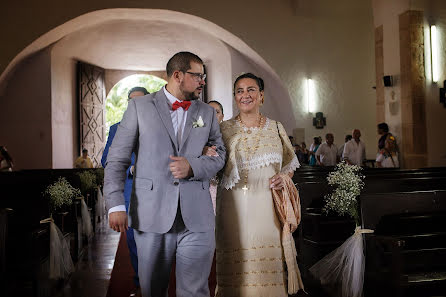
(64, 115)
(277, 103)
(25, 113)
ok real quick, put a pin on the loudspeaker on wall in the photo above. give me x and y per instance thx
(388, 80)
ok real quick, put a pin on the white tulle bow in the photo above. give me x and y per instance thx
(345, 265)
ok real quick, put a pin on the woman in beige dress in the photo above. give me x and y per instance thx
(249, 253)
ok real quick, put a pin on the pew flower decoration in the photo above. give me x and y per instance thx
(348, 183)
(99, 172)
(345, 265)
(61, 193)
(88, 180)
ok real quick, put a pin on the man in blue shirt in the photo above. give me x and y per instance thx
(134, 92)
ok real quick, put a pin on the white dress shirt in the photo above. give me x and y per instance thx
(354, 152)
(327, 154)
(178, 119)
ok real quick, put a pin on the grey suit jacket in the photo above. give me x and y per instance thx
(147, 129)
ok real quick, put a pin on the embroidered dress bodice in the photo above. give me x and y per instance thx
(244, 154)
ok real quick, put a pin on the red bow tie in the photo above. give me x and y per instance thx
(185, 105)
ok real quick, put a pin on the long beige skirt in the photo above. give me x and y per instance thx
(250, 259)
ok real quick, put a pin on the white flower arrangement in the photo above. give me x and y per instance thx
(88, 180)
(61, 193)
(199, 123)
(347, 180)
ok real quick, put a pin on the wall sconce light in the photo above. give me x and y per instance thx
(434, 53)
(311, 95)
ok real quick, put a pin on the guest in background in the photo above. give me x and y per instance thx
(296, 149)
(388, 156)
(303, 153)
(218, 110)
(314, 147)
(327, 154)
(133, 93)
(383, 130)
(214, 181)
(354, 150)
(348, 137)
(6, 163)
(83, 161)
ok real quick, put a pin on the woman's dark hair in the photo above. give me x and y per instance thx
(137, 89)
(218, 103)
(258, 80)
(384, 127)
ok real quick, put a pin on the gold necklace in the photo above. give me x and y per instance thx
(250, 150)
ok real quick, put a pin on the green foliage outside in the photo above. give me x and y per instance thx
(116, 103)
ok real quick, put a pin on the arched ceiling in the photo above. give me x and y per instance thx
(152, 16)
(136, 45)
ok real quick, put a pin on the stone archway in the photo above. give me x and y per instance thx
(107, 38)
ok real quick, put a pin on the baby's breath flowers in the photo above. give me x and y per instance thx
(88, 180)
(61, 193)
(347, 180)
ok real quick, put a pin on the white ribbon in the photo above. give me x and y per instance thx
(359, 230)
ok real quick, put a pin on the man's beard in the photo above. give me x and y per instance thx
(188, 95)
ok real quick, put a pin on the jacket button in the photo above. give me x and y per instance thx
(176, 183)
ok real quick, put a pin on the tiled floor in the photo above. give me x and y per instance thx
(93, 271)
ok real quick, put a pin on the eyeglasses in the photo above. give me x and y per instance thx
(197, 76)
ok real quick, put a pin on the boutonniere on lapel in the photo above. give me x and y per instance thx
(198, 123)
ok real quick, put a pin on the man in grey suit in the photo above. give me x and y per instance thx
(170, 208)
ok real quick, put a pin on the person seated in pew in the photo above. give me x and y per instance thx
(83, 161)
(388, 156)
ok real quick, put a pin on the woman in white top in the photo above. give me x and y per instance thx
(388, 156)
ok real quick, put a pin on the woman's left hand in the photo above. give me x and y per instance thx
(276, 182)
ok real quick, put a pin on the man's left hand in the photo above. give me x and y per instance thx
(180, 167)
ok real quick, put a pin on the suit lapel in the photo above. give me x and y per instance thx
(163, 110)
(192, 113)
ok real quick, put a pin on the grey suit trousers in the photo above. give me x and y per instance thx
(193, 253)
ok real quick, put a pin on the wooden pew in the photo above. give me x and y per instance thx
(319, 234)
(28, 241)
(406, 256)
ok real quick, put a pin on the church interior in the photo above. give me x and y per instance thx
(329, 67)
